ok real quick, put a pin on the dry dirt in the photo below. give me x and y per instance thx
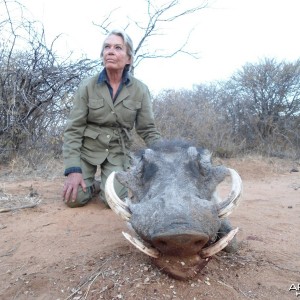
(54, 252)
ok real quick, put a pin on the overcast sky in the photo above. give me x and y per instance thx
(226, 35)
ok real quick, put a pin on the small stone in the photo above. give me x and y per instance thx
(147, 279)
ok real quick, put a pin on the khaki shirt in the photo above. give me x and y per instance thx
(98, 129)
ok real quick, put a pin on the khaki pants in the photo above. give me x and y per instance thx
(88, 173)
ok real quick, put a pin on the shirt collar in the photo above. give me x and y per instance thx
(103, 77)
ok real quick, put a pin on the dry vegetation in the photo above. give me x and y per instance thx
(254, 111)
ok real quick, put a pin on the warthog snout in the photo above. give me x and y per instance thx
(180, 244)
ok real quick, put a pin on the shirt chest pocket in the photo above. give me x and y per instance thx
(130, 109)
(97, 110)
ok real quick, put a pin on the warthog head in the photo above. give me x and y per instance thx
(173, 208)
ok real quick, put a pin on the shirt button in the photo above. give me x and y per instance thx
(106, 150)
(108, 136)
(112, 112)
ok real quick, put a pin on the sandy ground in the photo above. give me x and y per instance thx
(54, 252)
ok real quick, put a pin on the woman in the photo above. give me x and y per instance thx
(106, 108)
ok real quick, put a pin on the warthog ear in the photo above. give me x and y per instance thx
(202, 159)
(132, 180)
(205, 159)
(139, 174)
(148, 155)
(193, 153)
(125, 178)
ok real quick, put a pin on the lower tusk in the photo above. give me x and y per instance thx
(139, 245)
(219, 245)
(115, 203)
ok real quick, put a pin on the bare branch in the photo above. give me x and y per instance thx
(36, 85)
(148, 55)
(156, 16)
(106, 22)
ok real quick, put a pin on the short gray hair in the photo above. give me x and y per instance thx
(127, 41)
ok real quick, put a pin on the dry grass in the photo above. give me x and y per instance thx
(9, 202)
(249, 166)
(41, 167)
(257, 166)
(21, 168)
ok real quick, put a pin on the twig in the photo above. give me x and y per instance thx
(2, 226)
(225, 284)
(88, 289)
(91, 278)
(243, 293)
(2, 210)
(11, 251)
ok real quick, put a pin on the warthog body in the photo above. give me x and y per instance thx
(174, 210)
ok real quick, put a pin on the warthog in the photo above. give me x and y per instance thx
(174, 210)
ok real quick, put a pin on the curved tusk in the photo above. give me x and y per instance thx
(115, 203)
(219, 245)
(226, 206)
(139, 245)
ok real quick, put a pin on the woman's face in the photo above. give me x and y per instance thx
(115, 55)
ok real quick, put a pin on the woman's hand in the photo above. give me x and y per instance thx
(73, 181)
